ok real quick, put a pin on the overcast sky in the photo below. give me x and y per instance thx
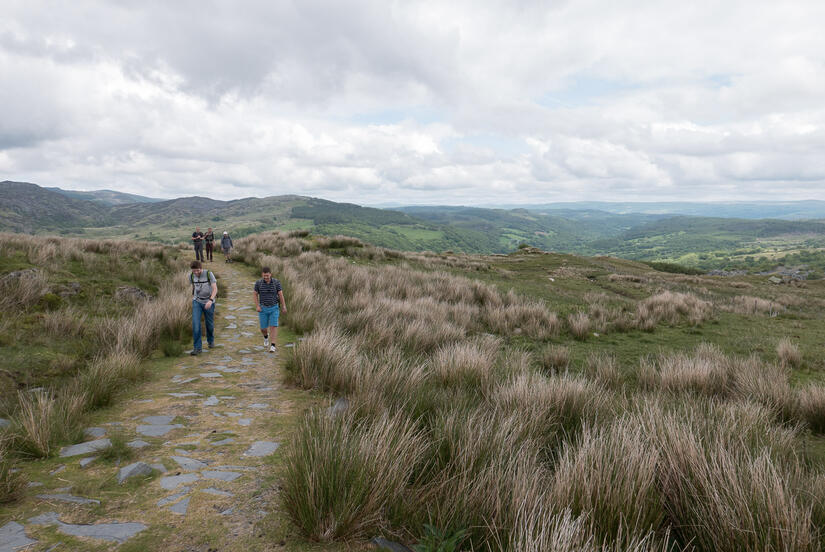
(455, 102)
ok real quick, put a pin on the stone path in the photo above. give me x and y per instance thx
(201, 438)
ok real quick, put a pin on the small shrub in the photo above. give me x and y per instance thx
(50, 301)
(436, 540)
(171, 347)
(788, 353)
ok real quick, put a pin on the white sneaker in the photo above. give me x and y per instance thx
(266, 341)
(273, 349)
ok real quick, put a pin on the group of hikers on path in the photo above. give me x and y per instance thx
(200, 239)
(269, 302)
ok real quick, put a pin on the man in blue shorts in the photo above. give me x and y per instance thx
(268, 298)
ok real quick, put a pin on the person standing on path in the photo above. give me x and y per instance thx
(209, 239)
(204, 291)
(268, 297)
(197, 240)
(226, 246)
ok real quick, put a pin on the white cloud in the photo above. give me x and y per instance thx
(418, 102)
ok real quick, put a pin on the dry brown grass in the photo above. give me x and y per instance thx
(42, 422)
(326, 360)
(12, 483)
(466, 363)
(579, 325)
(554, 359)
(69, 321)
(788, 353)
(811, 402)
(747, 304)
(23, 291)
(672, 308)
(604, 369)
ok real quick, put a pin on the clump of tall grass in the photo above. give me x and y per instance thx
(747, 304)
(68, 321)
(706, 372)
(42, 422)
(610, 473)
(23, 291)
(467, 363)
(811, 404)
(554, 359)
(603, 368)
(671, 308)
(105, 376)
(579, 324)
(788, 353)
(342, 477)
(12, 482)
(326, 360)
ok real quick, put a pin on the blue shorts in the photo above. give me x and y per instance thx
(269, 316)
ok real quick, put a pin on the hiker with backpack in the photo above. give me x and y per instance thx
(226, 246)
(270, 303)
(204, 292)
(209, 240)
(197, 241)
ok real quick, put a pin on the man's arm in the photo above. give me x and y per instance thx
(257, 304)
(282, 301)
(213, 295)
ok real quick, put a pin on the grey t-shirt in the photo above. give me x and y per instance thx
(202, 285)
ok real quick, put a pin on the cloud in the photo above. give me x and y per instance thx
(418, 102)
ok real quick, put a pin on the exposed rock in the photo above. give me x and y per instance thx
(339, 407)
(134, 470)
(131, 294)
(13, 537)
(220, 475)
(227, 441)
(112, 532)
(4, 423)
(211, 401)
(384, 544)
(157, 430)
(170, 482)
(71, 499)
(137, 444)
(262, 448)
(67, 290)
(21, 274)
(184, 395)
(172, 498)
(259, 406)
(94, 432)
(86, 461)
(189, 464)
(58, 469)
(216, 492)
(181, 507)
(244, 421)
(85, 448)
(211, 375)
(158, 420)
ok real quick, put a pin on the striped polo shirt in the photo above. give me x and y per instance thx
(268, 293)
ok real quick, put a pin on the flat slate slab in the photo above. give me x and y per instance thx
(211, 401)
(220, 475)
(134, 470)
(231, 370)
(181, 507)
(137, 444)
(244, 421)
(95, 432)
(216, 492)
(184, 394)
(111, 532)
(232, 327)
(158, 420)
(85, 448)
(157, 430)
(258, 406)
(171, 482)
(13, 537)
(3, 423)
(86, 461)
(189, 464)
(172, 498)
(262, 448)
(70, 499)
(211, 375)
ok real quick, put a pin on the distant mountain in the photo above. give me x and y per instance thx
(26, 207)
(790, 210)
(107, 197)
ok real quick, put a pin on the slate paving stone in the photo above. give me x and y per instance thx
(86, 461)
(289, 345)
(144, 401)
(111, 532)
(172, 498)
(234, 414)
(181, 380)
(34, 484)
(258, 406)
(189, 464)
(137, 444)
(95, 432)
(158, 430)
(246, 334)
(245, 351)
(172, 481)
(13, 537)
(85, 448)
(228, 511)
(134, 470)
(227, 441)
(230, 317)
(220, 475)
(182, 452)
(69, 499)
(181, 507)
(158, 420)
(216, 492)
(244, 422)
(233, 370)
(58, 469)
(211, 375)
(211, 401)
(185, 394)
(262, 448)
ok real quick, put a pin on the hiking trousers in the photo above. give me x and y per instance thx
(209, 251)
(199, 252)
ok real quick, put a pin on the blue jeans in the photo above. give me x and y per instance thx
(209, 318)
